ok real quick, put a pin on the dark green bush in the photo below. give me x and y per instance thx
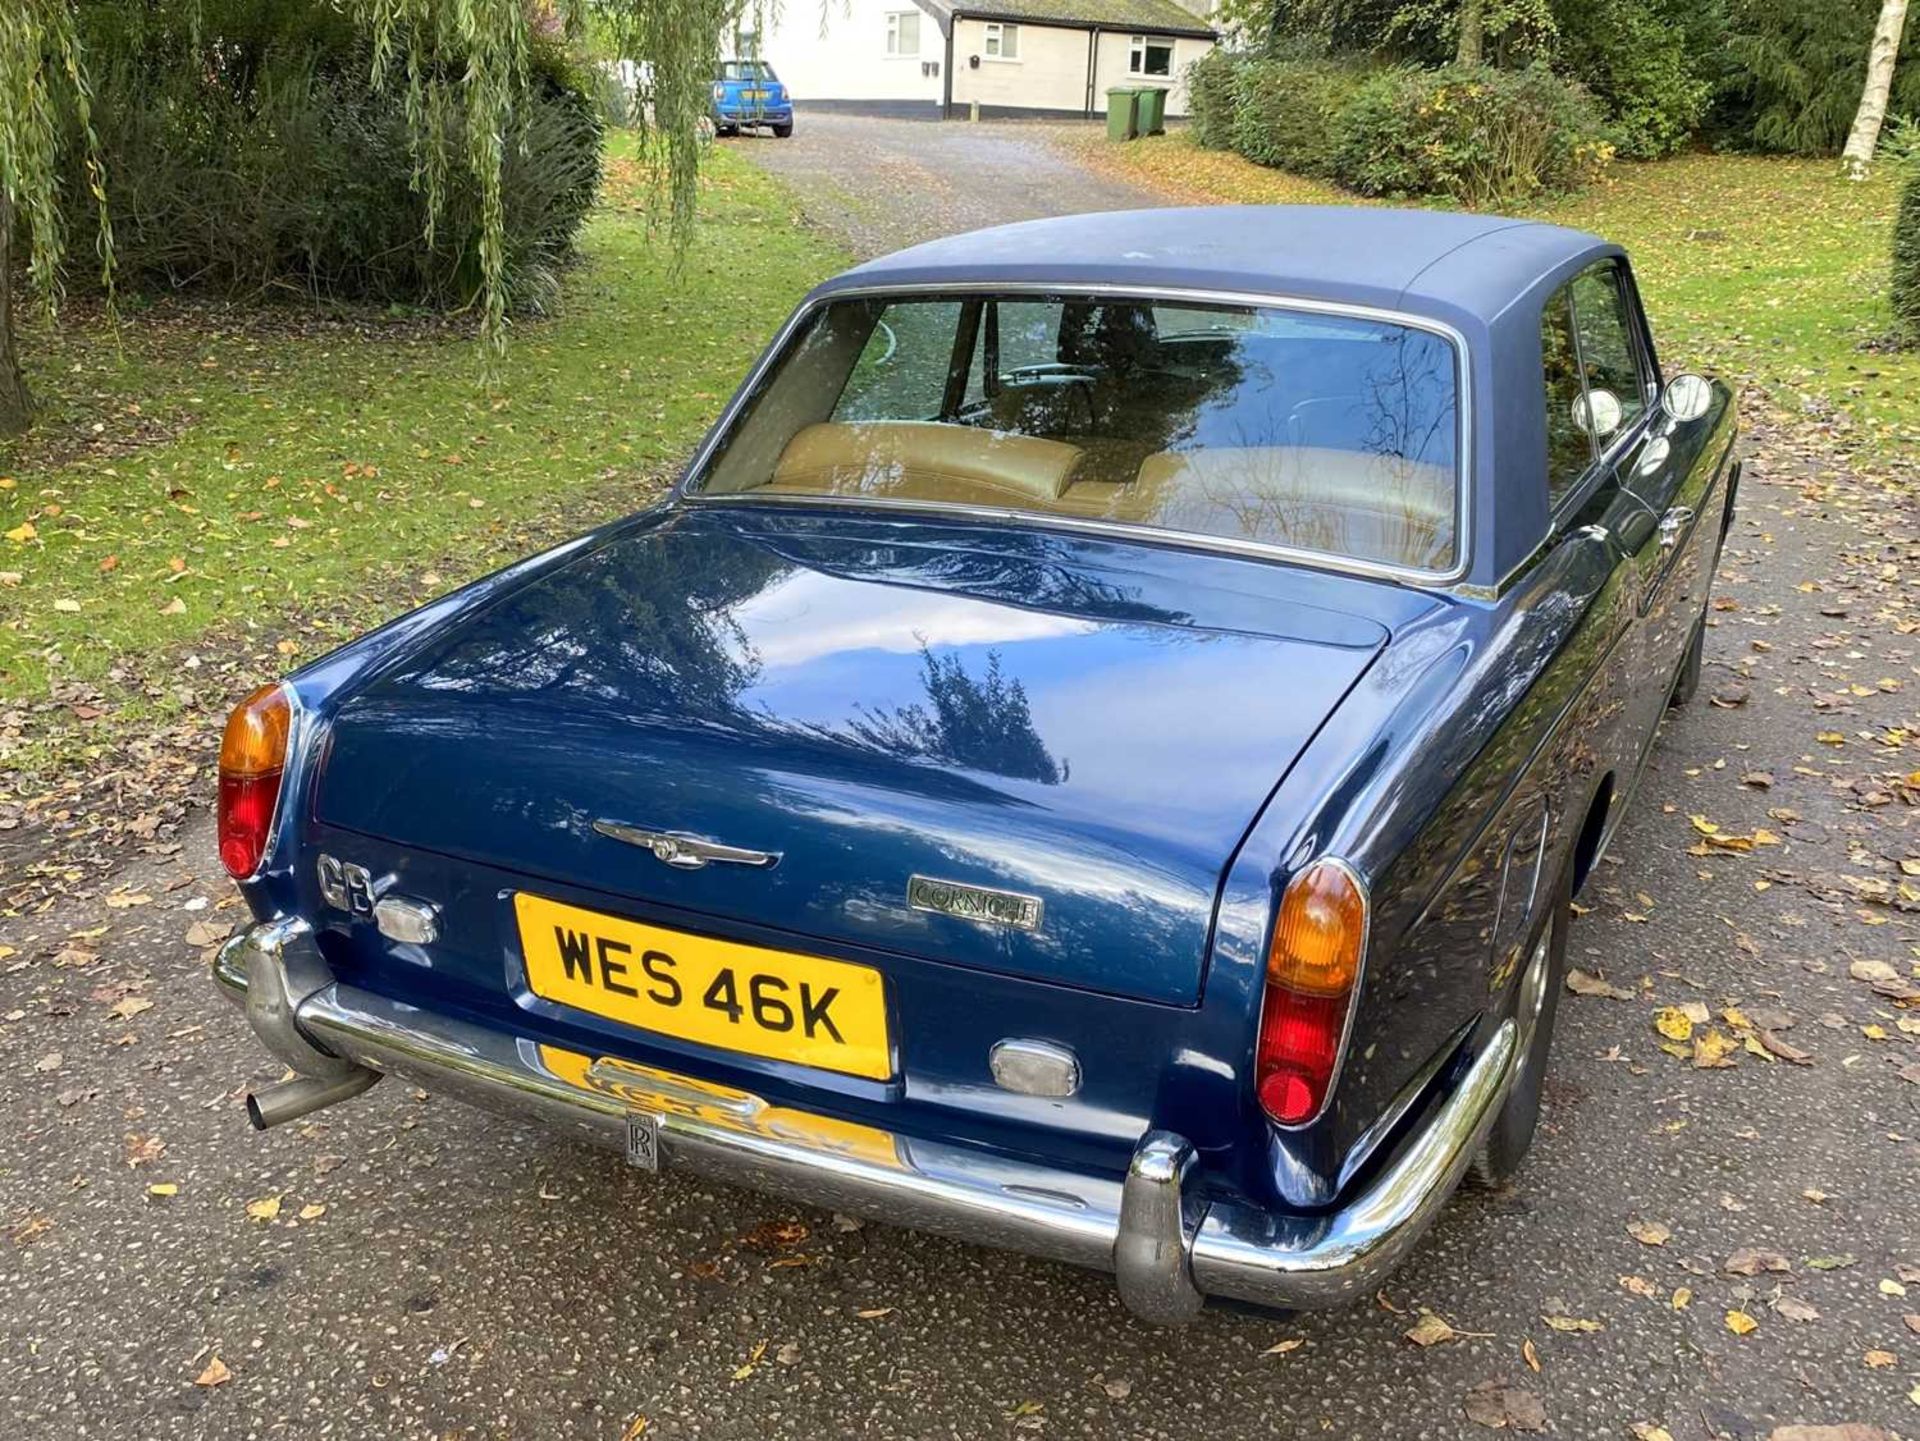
(1286, 113)
(1906, 257)
(1480, 137)
(257, 156)
(1797, 67)
(1653, 64)
(1210, 90)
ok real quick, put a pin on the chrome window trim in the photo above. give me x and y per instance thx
(1264, 550)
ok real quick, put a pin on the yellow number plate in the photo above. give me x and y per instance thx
(778, 1004)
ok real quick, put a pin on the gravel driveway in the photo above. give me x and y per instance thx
(402, 1266)
(882, 184)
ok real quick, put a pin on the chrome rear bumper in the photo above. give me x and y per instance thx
(1168, 1246)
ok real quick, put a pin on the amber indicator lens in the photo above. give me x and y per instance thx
(1312, 967)
(253, 752)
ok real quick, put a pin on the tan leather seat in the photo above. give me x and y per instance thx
(1371, 507)
(927, 461)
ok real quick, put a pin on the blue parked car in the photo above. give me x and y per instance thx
(1095, 756)
(747, 92)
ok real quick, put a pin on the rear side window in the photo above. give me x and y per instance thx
(1597, 379)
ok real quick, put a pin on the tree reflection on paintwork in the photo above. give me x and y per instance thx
(984, 724)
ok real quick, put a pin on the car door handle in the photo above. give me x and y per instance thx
(1673, 524)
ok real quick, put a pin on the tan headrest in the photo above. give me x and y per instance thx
(923, 460)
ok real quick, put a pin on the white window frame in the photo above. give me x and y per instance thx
(994, 46)
(1137, 55)
(895, 51)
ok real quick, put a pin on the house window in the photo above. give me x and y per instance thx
(1149, 55)
(903, 32)
(1003, 41)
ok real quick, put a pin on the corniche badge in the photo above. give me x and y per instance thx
(687, 853)
(974, 903)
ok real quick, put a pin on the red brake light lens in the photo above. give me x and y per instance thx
(1313, 966)
(253, 755)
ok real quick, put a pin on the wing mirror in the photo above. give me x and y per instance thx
(1597, 413)
(1687, 397)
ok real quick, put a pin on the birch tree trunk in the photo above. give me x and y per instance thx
(16, 405)
(1473, 32)
(1872, 113)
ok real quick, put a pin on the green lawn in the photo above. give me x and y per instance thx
(219, 477)
(1772, 272)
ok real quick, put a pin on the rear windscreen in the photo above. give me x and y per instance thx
(1321, 432)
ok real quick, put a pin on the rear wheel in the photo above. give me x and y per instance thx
(781, 132)
(1536, 1001)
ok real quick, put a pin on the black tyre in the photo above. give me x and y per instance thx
(1536, 1001)
(1688, 680)
(781, 132)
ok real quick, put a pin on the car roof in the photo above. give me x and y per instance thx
(1436, 262)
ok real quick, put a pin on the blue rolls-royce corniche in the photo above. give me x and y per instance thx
(1094, 756)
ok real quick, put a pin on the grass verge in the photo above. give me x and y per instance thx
(215, 471)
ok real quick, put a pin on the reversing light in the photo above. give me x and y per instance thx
(253, 755)
(1313, 965)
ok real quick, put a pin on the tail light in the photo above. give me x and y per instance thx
(1313, 965)
(253, 754)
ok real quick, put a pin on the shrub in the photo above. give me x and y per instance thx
(1286, 113)
(1906, 258)
(1480, 137)
(265, 160)
(1210, 89)
(1650, 63)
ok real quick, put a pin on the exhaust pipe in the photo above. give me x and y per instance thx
(291, 1099)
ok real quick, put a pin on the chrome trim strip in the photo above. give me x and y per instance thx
(1464, 460)
(1168, 1245)
(684, 850)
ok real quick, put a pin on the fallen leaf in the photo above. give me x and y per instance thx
(1750, 1261)
(1530, 1356)
(1583, 984)
(874, 1313)
(1280, 1348)
(1831, 1263)
(1740, 1323)
(1852, 1431)
(1430, 1330)
(1650, 1233)
(1647, 1431)
(202, 934)
(52, 1061)
(264, 1209)
(215, 1374)
(313, 1210)
(1673, 1023)
(163, 1189)
(1502, 1407)
(1879, 1360)
(1572, 1323)
(1794, 1309)
(1713, 1049)
(746, 1369)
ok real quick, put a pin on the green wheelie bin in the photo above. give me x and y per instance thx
(1152, 103)
(1123, 113)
